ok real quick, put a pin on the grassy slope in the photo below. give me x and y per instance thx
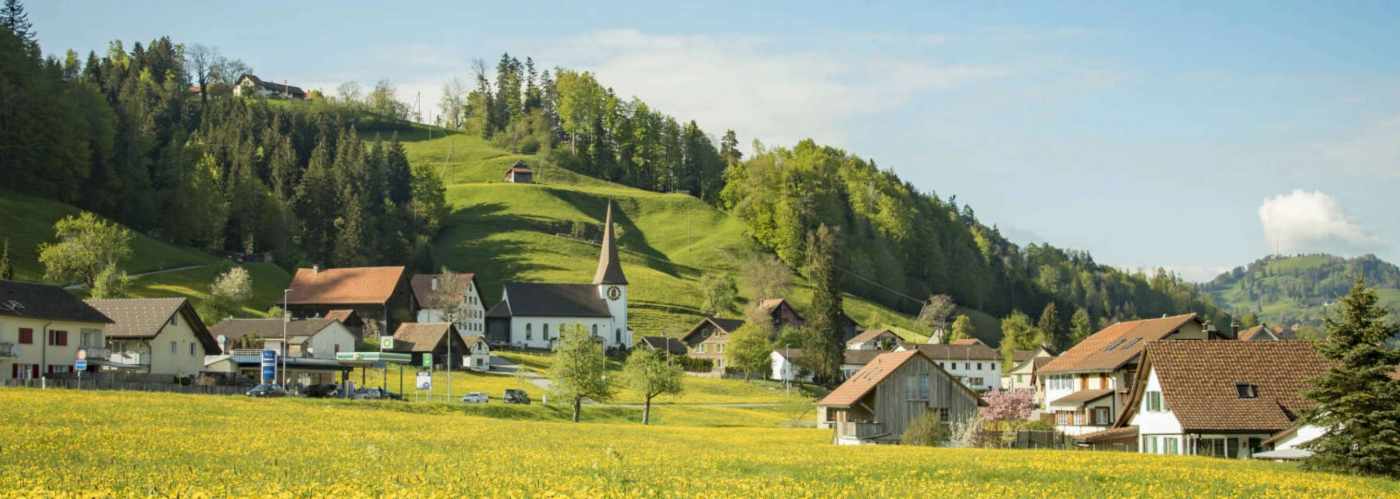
(1235, 297)
(268, 282)
(28, 221)
(511, 232)
(62, 441)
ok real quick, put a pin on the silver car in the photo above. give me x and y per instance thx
(476, 398)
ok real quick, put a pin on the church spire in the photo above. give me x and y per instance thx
(609, 267)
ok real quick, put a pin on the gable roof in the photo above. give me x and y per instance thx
(42, 301)
(871, 335)
(145, 317)
(1115, 345)
(350, 285)
(1199, 380)
(501, 310)
(664, 344)
(554, 300)
(426, 296)
(875, 372)
(609, 266)
(1258, 333)
(727, 326)
(1081, 397)
(518, 167)
(274, 87)
(977, 352)
(343, 315)
(967, 342)
(859, 357)
(419, 337)
(264, 329)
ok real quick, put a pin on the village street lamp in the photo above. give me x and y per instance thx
(285, 349)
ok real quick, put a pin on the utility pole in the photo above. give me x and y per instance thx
(286, 316)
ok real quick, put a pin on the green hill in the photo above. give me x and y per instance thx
(1298, 289)
(526, 232)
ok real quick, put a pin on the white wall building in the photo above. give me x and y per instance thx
(42, 328)
(306, 338)
(783, 366)
(432, 291)
(976, 366)
(158, 336)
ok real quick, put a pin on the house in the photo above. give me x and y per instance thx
(319, 338)
(1220, 398)
(249, 85)
(431, 293)
(349, 318)
(532, 315)
(380, 296)
(854, 360)
(478, 356)
(43, 327)
(874, 339)
(1024, 363)
(976, 366)
(423, 339)
(706, 340)
(881, 400)
(518, 173)
(1086, 386)
(664, 344)
(156, 336)
(784, 366)
(967, 342)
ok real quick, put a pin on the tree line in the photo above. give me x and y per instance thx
(152, 137)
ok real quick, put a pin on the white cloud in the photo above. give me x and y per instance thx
(756, 86)
(1302, 221)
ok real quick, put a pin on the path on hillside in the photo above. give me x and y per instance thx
(75, 287)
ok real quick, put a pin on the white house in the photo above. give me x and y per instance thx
(432, 291)
(1085, 386)
(306, 338)
(478, 356)
(784, 366)
(1219, 398)
(42, 328)
(157, 336)
(533, 315)
(975, 365)
(251, 86)
(874, 339)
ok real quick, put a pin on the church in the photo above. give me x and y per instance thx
(534, 315)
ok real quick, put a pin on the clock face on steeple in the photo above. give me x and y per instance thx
(614, 292)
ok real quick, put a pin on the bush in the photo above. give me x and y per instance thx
(927, 430)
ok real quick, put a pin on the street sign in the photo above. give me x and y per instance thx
(424, 381)
(80, 364)
(82, 354)
(428, 360)
(386, 342)
(269, 366)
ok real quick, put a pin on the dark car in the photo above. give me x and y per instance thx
(514, 396)
(267, 391)
(375, 394)
(320, 391)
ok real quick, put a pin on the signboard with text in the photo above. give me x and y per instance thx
(424, 381)
(269, 366)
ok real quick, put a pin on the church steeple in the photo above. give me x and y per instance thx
(609, 267)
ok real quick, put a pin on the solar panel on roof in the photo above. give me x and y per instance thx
(1113, 345)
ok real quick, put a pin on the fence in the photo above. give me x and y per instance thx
(105, 383)
(1025, 439)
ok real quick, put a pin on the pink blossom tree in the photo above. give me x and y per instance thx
(1008, 405)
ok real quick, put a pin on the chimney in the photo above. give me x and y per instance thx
(1235, 328)
(435, 280)
(316, 269)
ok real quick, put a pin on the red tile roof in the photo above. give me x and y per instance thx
(353, 285)
(1115, 345)
(1257, 333)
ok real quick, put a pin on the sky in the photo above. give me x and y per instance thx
(1191, 136)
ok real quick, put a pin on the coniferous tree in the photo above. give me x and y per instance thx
(1079, 327)
(824, 345)
(14, 18)
(1358, 403)
(1049, 325)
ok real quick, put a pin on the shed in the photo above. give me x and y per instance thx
(881, 400)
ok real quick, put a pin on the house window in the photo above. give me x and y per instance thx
(701, 348)
(967, 366)
(172, 348)
(1101, 416)
(1171, 445)
(1247, 391)
(191, 349)
(1154, 401)
(174, 320)
(979, 366)
(719, 348)
(974, 381)
(617, 336)
(58, 338)
(26, 336)
(544, 333)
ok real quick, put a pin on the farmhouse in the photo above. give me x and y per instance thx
(434, 292)
(874, 339)
(156, 336)
(533, 315)
(1219, 398)
(664, 344)
(1024, 364)
(306, 338)
(518, 173)
(880, 401)
(250, 85)
(42, 328)
(431, 339)
(1086, 386)
(975, 365)
(707, 339)
(381, 296)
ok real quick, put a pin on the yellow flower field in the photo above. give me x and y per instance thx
(112, 443)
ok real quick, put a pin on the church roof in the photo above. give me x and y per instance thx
(609, 267)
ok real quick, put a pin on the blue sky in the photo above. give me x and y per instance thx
(1191, 136)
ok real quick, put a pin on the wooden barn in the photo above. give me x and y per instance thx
(883, 398)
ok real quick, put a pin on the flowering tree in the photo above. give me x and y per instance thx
(1008, 405)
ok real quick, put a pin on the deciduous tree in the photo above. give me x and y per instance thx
(580, 369)
(86, 246)
(651, 374)
(749, 349)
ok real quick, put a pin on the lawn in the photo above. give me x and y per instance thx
(268, 282)
(28, 221)
(149, 444)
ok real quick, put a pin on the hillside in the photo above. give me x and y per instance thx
(507, 232)
(1298, 289)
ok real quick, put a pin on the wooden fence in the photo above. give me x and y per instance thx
(103, 383)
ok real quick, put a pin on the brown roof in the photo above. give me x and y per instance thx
(260, 329)
(958, 352)
(860, 357)
(664, 344)
(609, 265)
(726, 325)
(1257, 333)
(552, 300)
(866, 378)
(1115, 345)
(1019, 356)
(42, 301)
(967, 342)
(1199, 381)
(871, 334)
(420, 336)
(341, 314)
(1081, 397)
(351, 285)
(427, 297)
(518, 167)
(144, 318)
(1038, 363)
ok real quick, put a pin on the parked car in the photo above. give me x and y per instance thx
(476, 398)
(514, 396)
(375, 394)
(320, 391)
(267, 391)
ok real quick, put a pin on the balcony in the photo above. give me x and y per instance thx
(859, 431)
(7, 351)
(96, 353)
(128, 359)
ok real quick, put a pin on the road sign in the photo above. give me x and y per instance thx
(386, 342)
(269, 366)
(82, 354)
(424, 381)
(428, 360)
(80, 364)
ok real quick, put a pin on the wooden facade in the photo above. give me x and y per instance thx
(883, 413)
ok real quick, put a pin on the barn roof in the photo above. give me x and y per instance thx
(344, 286)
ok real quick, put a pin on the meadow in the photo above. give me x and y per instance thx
(106, 443)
